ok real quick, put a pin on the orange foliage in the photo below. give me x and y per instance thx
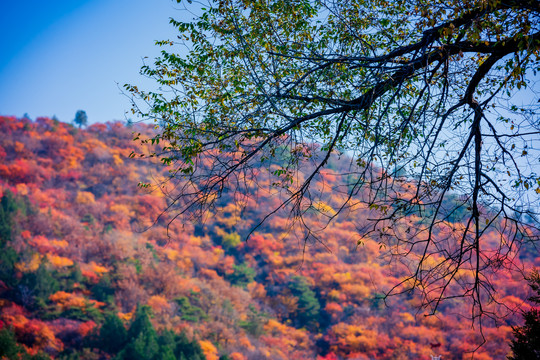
(30, 265)
(335, 310)
(33, 333)
(59, 261)
(256, 290)
(237, 356)
(122, 209)
(356, 339)
(290, 338)
(65, 300)
(209, 350)
(159, 304)
(93, 271)
(85, 197)
(91, 178)
(41, 243)
(171, 254)
(209, 274)
(126, 317)
(98, 269)
(22, 189)
(42, 337)
(61, 244)
(68, 300)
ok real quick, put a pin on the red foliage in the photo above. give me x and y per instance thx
(90, 213)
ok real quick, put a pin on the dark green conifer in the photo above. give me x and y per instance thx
(8, 206)
(188, 350)
(526, 344)
(8, 345)
(242, 275)
(143, 347)
(307, 314)
(112, 335)
(42, 282)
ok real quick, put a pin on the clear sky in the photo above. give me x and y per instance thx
(59, 56)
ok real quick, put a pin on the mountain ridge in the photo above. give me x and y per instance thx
(76, 252)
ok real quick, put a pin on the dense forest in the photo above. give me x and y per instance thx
(89, 270)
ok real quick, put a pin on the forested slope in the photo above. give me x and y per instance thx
(84, 255)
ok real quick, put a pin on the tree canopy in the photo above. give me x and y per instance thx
(526, 342)
(81, 118)
(429, 108)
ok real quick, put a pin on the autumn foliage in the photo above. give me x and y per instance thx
(83, 251)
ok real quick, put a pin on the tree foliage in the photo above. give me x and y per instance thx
(187, 283)
(112, 335)
(144, 343)
(8, 257)
(8, 208)
(425, 101)
(81, 119)
(242, 275)
(307, 313)
(526, 342)
(10, 350)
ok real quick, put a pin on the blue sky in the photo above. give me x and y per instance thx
(59, 56)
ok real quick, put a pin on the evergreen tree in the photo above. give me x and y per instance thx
(253, 323)
(104, 290)
(8, 207)
(9, 348)
(8, 256)
(69, 354)
(167, 338)
(167, 344)
(140, 323)
(143, 347)
(165, 353)
(526, 345)
(8, 259)
(141, 337)
(141, 342)
(308, 306)
(67, 279)
(76, 274)
(242, 275)
(188, 311)
(188, 350)
(112, 335)
(42, 282)
(39, 356)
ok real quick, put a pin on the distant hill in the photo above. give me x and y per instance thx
(84, 257)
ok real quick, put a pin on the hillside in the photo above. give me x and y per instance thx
(83, 255)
